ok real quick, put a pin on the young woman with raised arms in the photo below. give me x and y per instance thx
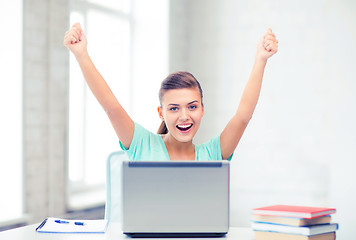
(181, 109)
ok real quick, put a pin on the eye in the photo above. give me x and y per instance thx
(173, 109)
(192, 107)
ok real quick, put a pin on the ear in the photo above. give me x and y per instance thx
(160, 114)
(202, 105)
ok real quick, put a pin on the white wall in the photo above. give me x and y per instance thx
(298, 146)
(45, 107)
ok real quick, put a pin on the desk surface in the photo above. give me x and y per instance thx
(113, 233)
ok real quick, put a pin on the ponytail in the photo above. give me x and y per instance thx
(162, 128)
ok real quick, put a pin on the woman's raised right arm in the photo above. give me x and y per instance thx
(76, 42)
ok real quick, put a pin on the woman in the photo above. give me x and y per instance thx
(181, 109)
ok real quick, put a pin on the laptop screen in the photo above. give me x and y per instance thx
(175, 196)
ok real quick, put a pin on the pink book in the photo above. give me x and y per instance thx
(293, 211)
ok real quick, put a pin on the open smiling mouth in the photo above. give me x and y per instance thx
(184, 127)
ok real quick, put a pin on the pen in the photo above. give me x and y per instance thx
(76, 223)
(61, 221)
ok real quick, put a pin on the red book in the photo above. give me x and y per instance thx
(293, 211)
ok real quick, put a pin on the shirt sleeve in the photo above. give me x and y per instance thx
(140, 134)
(211, 150)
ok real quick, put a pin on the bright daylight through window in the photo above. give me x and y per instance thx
(113, 29)
(11, 107)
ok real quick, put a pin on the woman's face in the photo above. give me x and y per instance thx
(182, 111)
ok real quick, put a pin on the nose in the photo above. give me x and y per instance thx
(184, 115)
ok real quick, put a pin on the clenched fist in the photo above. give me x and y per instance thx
(267, 46)
(75, 40)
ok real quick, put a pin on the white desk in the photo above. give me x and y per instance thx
(113, 233)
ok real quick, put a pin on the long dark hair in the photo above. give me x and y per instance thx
(177, 80)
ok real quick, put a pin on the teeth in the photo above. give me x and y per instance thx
(185, 126)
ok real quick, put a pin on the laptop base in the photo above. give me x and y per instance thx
(174, 235)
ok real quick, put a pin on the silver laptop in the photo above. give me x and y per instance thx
(175, 198)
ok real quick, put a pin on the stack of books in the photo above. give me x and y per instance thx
(285, 222)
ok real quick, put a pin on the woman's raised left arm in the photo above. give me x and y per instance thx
(231, 135)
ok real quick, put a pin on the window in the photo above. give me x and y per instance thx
(11, 108)
(125, 58)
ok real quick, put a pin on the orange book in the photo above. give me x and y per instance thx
(292, 221)
(283, 236)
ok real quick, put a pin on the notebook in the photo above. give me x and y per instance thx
(175, 198)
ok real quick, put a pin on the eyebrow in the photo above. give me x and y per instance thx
(174, 104)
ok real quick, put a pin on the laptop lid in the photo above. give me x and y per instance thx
(175, 197)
